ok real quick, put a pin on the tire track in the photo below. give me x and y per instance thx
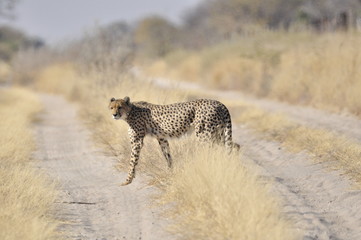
(320, 203)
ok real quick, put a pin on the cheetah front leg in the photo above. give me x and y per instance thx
(137, 144)
(164, 145)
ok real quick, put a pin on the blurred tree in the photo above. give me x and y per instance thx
(155, 36)
(235, 14)
(217, 20)
(283, 13)
(197, 30)
(329, 15)
(104, 46)
(12, 40)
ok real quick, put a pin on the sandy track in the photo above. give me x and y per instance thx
(91, 205)
(321, 204)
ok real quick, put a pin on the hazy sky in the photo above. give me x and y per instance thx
(56, 20)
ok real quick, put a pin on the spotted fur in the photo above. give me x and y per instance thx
(209, 118)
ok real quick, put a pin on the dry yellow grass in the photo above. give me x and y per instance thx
(341, 152)
(5, 71)
(62, 75)
(301, 68)
(210, 195)
(247, 63)
(214, 196)
(325, 73)
(26, 196)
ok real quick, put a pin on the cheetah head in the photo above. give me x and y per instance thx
(119, 108)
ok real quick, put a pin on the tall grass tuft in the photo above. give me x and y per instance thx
(214, 196)
(26, 197)
(325, 73)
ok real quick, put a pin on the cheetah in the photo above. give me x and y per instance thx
(209, 118)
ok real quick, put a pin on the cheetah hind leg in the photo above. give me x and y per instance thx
(164, 145)
(203, 136)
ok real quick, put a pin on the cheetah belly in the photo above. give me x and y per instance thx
(169, 129)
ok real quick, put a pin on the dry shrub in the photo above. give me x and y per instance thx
(57, 78)
(222, 72)
(215, 197)
(185, 68)
(26, 196)
(5, 73)
(325, 73)
(246, 63)
(236, 72)
(156, 68)
(26, 64)
(188, 70)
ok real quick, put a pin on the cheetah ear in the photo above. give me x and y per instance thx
(112, 99)
(126, 100)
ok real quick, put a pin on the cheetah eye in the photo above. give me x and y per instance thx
(111, 108)
(119, 108)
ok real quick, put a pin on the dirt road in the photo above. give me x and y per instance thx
(91, 205)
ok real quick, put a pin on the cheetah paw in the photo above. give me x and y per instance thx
(125, 183)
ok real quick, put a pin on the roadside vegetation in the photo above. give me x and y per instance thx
(300, 68)
(26, 195)
(339, 152)
(217, 197)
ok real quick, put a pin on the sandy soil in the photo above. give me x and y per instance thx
(322, 204)
(91, 204)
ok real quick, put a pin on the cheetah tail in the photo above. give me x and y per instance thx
(230, 145)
